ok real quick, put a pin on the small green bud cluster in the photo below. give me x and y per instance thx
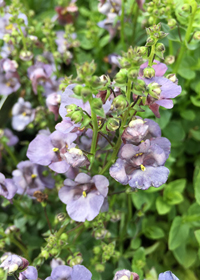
(157, 9)
(155, 34)
(108, 251)
(75, 259)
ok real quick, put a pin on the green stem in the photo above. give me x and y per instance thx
(95, 135)
(23, 37)
(20, 246)
(11, 154)
(134, 24)
(170, 47)
(128, 94)
(122, 24)
(151, 57)
(187, 38)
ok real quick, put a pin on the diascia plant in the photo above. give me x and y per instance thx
(85, 150)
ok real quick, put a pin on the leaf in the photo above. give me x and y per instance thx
(195, 100)
(177, 185)
(197, 235)
(104, 41)
(154, 232)
(187, 73)
(178, 233)
(188, 115)
(162, 206)
(197, 186)
(185, 256)
(174, 131)
(195, 134)
(164, 119)
(173, 197)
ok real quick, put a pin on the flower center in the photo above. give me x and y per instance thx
(143, 168)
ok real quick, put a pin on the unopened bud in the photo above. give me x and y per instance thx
(97, 103)
(172, 78)
(133, 73)
(76, 116)
(112, 124)
(154, 90)
(96, 250)
(140, 85)
(172, 23)
(120, 102)
(26, 55)
(162, 34)
(169, 59)
(160, 47)
(86, 93)
(149, 72)
(142, 51)
(121, 76)
(70, 109)
(77, 90)
(196, 35)
(150, 41)
(186, 8)
(99, 267)
(44, 254)
(64, 237)
(100, 233)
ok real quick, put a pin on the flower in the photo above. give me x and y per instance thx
(168, 275)
(84, 196)
(7, 187)
(64, 272)
(139, 130)
(160, 68)
(53, 102)
(50, 150)
(23, 114)
(142, 166)
(12, 262)
(12, 139)
(125, 274)
(29, 178)
(37, 72)
(30, 273)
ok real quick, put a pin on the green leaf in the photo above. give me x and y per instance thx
(186, 73)
(195, 100)
(162, 206)
(104, 41)
(195, 134)
(197, 235)
(164, 119)
(185, 256)
(173, 197)
(174, 131)
(188, 115)
(177, 185)
(178, 233)
(154, 232)
(197, 186)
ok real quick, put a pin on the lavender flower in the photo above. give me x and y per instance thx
(30, 273)
(67, 126)
(168, 275)
(12, 139)
(7, 187)
(139, 130)
(167, 90)
(52, 102)
(37, 72)
(12, 262)
(29, 178)
(56, 262)
(84, 196)
(51, 150)
(64, 272)
(23, 114)
(125, 274)
(142, 166)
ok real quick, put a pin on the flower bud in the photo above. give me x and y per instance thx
(186, 8)
(44, 254)
(77, 90)
(196, 35)
(172, 23)
(71, 109)
(64, 237)
(133, 73)
(61, 217)
(120, 102)
(11, 229)
(140, 85)
(150, 41)
(76, 116)
(121, 76)
(162, 34)
(99, 267)
(113, 124)
(125, 274)
(172, 78)
(100, 233)
(26, 55)
(86, 93)
(115, 217)
(96, 250)
(142, 51)
(169, 59)
(154, 90)
(151, 20)
(97, 103)
(149, 72)
(160, 47)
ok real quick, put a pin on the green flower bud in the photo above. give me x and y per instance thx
(64, 236)
(70, 109)
(115, 217)
(96, 250)
(160, 47)
(100, 233)
(142, 51)
(149, 9)
(186, 8)
(26, 55)
(149, 72)
(44, 254)
(77, 90)
(113, 124)
(86, 93)
(150, 41)
(120, 102)
(196, 35)
(154, 90)
(31, 13)
(54, 251)
(76, 116)
(121, 76)
(133, 73)
(172, 23)
(162, 34)
(61, 217)
(97, 103)
(44, 40)
(172, 78)
(95, 81)
(151, 20)
(162, 11)
(99, 267)
(169, 59)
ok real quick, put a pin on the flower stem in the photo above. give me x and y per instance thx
(15, 275)
(46, 216)
(187, 38)
(10, 152)
(151, 57)
(95, 135)
(20, 246)
(23, 37)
